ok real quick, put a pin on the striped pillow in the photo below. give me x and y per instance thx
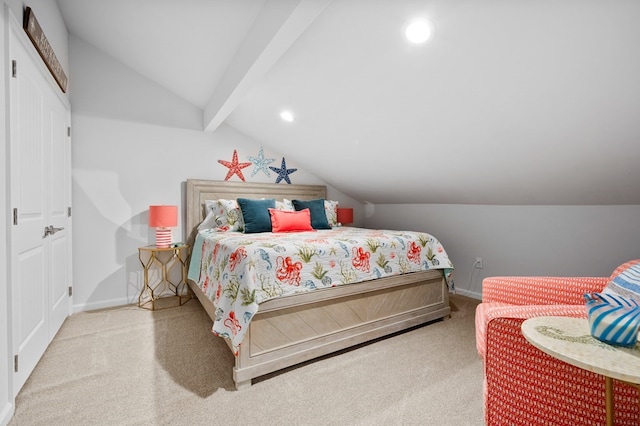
(625, 281)
(613, 319)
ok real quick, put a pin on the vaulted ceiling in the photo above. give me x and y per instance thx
(510, 101)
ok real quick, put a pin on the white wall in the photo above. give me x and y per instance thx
(104, 87)
(135, 144)
(522, 240)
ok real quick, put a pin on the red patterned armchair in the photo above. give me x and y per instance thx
(525, 386)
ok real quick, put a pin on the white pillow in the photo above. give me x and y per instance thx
(223, 215)
(331, 209)
(285, 205)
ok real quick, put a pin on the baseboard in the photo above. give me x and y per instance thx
(471, 294)
(92, 306)
(6, 414)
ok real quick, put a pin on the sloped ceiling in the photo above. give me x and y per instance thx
(511, 102)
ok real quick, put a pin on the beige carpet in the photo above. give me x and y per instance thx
(128, 366)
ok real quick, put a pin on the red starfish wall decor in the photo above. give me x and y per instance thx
(235, 168)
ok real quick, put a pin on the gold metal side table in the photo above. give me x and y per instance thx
(165, 276)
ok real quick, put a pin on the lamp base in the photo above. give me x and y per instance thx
(163, 237)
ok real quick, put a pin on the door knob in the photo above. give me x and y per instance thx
(50, 230)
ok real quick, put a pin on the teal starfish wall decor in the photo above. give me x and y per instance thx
(261, 164)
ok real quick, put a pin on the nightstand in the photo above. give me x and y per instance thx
(165, 277)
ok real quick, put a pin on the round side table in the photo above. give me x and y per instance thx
(569, 340)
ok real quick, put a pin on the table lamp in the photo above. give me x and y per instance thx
(345, 215)
(163, 218)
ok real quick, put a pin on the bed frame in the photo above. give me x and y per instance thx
(297, 328)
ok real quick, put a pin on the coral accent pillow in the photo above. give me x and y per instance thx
(288, 221)
(625, 281)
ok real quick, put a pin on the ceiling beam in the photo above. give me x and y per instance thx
(278, 26)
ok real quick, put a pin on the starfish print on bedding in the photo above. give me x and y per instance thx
(235, 168)
(283, 172)
(261, 163)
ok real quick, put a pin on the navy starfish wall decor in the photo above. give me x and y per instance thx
(283, 172)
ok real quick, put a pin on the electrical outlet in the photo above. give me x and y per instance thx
(478, 263)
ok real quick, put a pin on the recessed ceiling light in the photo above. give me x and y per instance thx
(419, 31)
(287, 116)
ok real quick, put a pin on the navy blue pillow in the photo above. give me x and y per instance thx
(318, 214)
(255, 214)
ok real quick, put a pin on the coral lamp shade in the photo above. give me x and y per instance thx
(163, 216)
(345, 215)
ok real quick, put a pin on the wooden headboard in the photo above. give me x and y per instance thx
(198, 191)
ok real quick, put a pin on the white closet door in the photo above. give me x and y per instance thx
(59, 180)
(40, 173)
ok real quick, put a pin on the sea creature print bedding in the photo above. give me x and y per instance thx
(238, 271)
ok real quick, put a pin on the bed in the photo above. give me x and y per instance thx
(291, 329)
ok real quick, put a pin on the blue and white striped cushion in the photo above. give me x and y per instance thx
(626, 283)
